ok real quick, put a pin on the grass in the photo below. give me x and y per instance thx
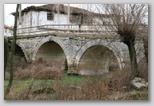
(66, 79)
(67, 87)
(50, 83)
(72, 79)
(70, 87)
(19, 85)
(139, 95)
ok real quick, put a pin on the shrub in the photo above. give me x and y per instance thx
(39, 70)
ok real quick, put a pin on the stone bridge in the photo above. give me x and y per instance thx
(83, 54)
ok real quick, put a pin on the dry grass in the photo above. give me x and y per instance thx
(38, 70)
(41, 81)
(113, 86)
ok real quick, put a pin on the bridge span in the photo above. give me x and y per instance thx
(81, 51)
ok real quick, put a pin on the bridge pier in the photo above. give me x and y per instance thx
(72, 66)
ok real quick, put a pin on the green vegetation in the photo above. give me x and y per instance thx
(72, 79)
(21, 84)
(66, 79)
(139, 95)
(73, 87)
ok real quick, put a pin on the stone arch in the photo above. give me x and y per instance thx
(19, 51)
(47, 39)
(113, 46)
(24, 50)
(52, 51)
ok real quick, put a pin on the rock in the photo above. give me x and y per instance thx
(139, 83)
(75, 87)
(44, 90)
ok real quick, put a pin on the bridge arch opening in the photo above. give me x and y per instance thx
(52, 53)
(97, 60)
(19, 52)
(20, 60)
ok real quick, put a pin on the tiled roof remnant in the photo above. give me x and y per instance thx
(8, 27)
(55, 8)
(61, 9)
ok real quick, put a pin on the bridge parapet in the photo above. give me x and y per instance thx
(64, 28)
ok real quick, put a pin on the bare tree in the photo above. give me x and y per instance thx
(146, 48)
(13, 51)
(125, 20)
(6, 54)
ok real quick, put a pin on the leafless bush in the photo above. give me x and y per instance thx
(19, 64)
(39, 70)
(95, 90)
(119, 80)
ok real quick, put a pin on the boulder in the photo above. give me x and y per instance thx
(44, 90)
(139, 83)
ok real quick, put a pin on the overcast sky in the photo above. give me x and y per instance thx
(9, 8)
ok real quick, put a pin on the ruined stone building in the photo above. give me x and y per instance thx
(69, 36)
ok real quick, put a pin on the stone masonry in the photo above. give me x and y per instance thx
(56, 48)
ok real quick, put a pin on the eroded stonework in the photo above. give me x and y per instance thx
(75, 52)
